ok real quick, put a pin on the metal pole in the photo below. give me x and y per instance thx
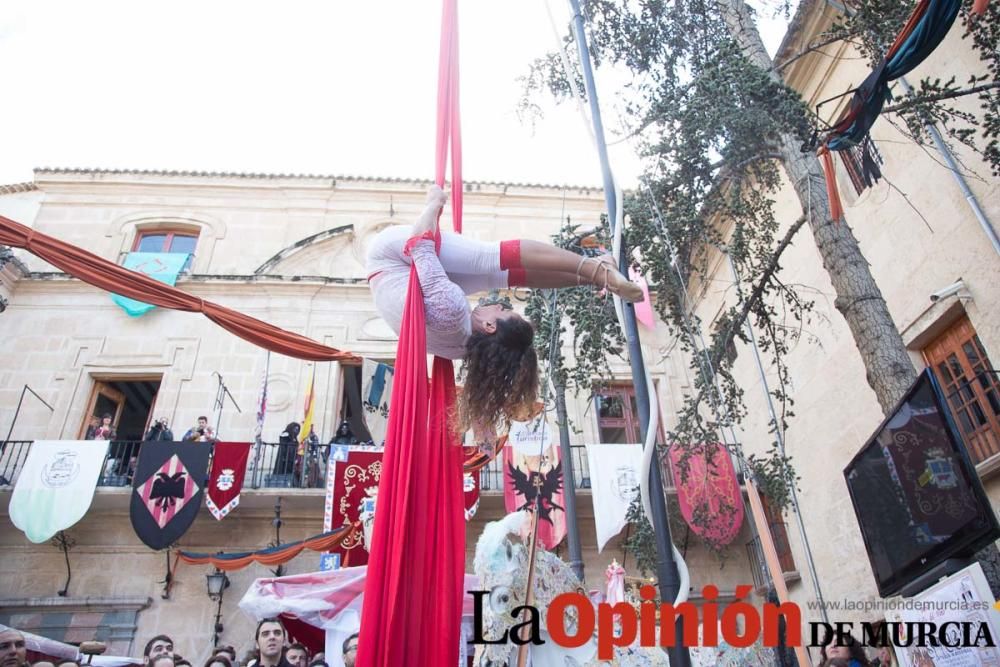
(565, 451)
(669, 579)
(17, 411)
(949, 159)
(780, 435)
(569, 484)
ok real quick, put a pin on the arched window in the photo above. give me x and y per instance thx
(167, 240)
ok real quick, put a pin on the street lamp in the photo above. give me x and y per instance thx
(217, 583)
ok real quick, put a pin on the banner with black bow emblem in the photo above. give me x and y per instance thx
(167, 490)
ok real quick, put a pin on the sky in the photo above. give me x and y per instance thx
(333, 87)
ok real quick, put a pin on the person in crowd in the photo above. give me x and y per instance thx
(310, 447)
(157, 646)
(318, 663)
(201, 432)
(351, 650)
(836, 662)
(95, 421)
(13, 649)
(884, 658)
(250, 657)
(851, 651)
(181, 661)
(270, 639)
(319, 657)
(344, 435)
(163, 660)
(105, 430)
(229, 652)
(297, 655)
(219, 660)
(67, 663)
(43, 663)
(288, 447)
(160, 431)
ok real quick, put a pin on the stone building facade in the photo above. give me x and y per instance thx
(910, 258)
(285, 249)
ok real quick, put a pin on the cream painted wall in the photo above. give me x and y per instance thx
(835, 410)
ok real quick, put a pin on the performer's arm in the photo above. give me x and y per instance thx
(446, 306)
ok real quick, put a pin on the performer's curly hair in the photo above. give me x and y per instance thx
(500, 375)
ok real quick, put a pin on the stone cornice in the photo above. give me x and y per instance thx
(63, 174)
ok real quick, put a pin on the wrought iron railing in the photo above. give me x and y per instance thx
(271, 466)
(758, 565)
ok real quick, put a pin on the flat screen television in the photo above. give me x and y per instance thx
(916, 493)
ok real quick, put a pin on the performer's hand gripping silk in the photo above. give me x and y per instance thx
(499, 366)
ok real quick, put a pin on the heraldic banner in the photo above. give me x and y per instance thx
(376, 389)
(352, 480)
(56, 485)
(351, 498)
(710, 491)
(615, 471)
(167, 490)
(528, 475)
(229, 465)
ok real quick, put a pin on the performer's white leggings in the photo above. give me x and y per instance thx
(475, 266)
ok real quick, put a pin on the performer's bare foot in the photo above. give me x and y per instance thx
(606, 275)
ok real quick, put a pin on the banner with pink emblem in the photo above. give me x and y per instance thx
(229, 465)
(708, 492)
(167, 490)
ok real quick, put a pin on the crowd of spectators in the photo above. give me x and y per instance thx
(271, 648)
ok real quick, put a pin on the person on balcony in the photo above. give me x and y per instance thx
(202, 432)
(160, 431)
(105, 430)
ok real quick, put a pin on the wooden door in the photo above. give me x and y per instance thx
(970, 385)
(104, 399)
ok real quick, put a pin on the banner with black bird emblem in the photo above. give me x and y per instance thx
(167, 490)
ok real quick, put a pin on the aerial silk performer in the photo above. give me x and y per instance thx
(419, 279)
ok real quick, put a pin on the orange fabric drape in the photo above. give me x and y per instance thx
(836, 208)
(272, 556)
(108, 276)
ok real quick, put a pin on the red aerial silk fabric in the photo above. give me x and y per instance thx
(108, 276)
(413, 593)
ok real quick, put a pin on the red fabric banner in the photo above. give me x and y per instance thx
(520, 473)
(709, 486)
(413, 595)
(355, 482)
(225, 481)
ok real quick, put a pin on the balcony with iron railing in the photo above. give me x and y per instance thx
(271, 466)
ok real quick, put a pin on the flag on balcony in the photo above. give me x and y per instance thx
(709, 493)
(262, 401)
(308, 411)
(162, 266)
(614, 482)
(533, 478)
(376, 389)
(229, 465)
(167, 490)
(56, 485)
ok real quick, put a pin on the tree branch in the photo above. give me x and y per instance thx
(758, 290)
(813, 47)
(917, 100)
